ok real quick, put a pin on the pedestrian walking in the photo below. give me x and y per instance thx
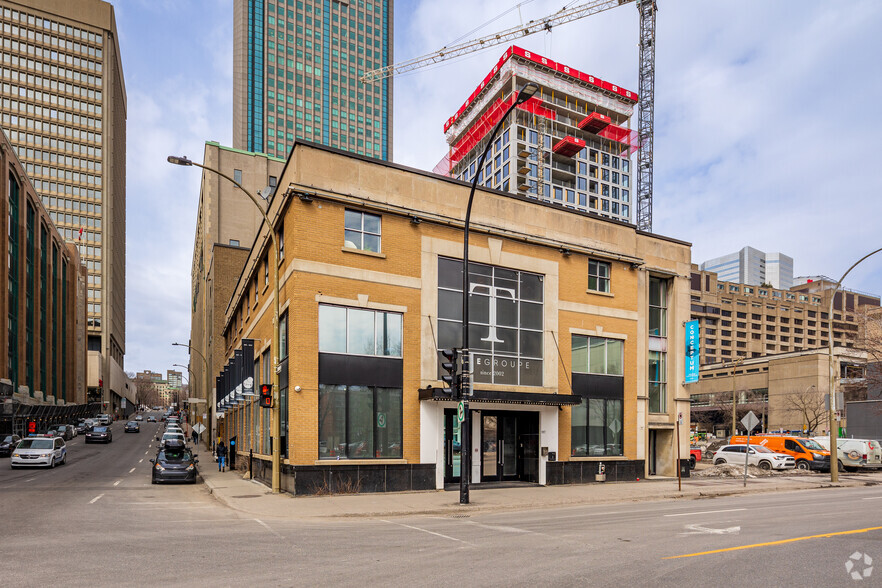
(221, 452)
(195, 437)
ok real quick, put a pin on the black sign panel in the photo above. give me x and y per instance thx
(238, 370)
(248, 366)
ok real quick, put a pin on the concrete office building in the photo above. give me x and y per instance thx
(751, 321)
(577, 329)
(64, 107)
(754, 268)
(226, 225)
(570, 144)
(175, 379)
(296, 70)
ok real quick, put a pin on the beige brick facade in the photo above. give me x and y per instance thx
(421, 216)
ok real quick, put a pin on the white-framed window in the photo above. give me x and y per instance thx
(361, 231)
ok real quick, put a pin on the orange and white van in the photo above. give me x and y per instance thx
(808, 453)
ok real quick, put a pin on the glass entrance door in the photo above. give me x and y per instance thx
(452, 446)
(499, 447)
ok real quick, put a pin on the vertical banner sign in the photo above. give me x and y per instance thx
(238, 362)
(692, 351)
(217, 388)
(248, 366)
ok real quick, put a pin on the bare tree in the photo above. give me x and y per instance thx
(808, 406)
(148, 393)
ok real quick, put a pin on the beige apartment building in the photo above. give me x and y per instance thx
(64, 108)
(226, 225)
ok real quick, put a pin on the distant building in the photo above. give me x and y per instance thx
(175, 379)
(296, 69)
(570, 144)
(149, 375)
(753, 267)
(751, 321)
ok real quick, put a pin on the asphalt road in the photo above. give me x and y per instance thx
(98, 521)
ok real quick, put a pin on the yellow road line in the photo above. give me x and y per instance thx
(781, 542)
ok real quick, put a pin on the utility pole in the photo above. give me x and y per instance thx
(736, 363)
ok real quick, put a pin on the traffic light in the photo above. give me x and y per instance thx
(450, 377)
(266, 395)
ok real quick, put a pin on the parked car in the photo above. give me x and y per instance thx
(807, 453)
(174, 463)
(694, 457)
(99, 435)
(7, 444)
(42, 451)
(758, 455)
(132, 427)
(104, 419)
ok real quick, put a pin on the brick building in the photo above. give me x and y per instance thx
(576, 323)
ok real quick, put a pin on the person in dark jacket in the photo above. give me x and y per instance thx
(221, 452)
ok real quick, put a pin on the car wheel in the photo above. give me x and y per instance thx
(765, 465)
(692, 462)
(802, 465)
(64, 459)
(52, 463)
(841, 466)
(720, 462)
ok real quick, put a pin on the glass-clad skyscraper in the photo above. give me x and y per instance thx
(297, 70)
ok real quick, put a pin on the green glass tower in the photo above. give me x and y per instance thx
(297, 69)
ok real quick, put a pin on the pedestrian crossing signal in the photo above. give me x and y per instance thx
(266, 395)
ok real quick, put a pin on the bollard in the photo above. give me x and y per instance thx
(250, 459)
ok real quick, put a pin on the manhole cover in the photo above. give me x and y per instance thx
(247, 496)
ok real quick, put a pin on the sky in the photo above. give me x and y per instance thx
(765, 123)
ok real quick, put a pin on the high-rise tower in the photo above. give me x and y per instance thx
(569, 144)
(296, 75)
(64, 109)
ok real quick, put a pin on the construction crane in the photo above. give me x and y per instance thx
(647, 10)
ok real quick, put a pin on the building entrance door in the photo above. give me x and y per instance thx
(509, 446)
(452, 446)
(653, 442)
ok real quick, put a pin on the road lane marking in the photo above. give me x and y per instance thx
(133, 469)
(140, 460)
(30, 479)
(699, 530)
(872, 497)
(500, 528)
(268, 528)
(686, 514)
(94, 500)
(781, 542)
(429, 532)
(117, 482)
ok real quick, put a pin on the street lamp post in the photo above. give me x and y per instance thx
(205, 379)
(190, 408)
(276, 421)
(526, 92)
(834, 432)
(735, 365)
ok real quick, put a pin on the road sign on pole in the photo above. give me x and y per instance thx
(750, 421)
(460, 411)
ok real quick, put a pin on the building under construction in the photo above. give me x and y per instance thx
(569, 144)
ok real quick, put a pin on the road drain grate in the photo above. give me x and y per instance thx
(247, 496)
(459, 516)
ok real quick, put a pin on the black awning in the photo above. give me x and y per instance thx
(435, 394)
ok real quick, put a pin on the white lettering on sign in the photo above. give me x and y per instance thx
(566, 69)
(494, 293)
(527, 54)
(544, 61)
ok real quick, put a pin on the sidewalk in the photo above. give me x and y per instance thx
(254, 498)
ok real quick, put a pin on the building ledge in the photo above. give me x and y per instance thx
(363, 252)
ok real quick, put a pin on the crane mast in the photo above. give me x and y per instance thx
(647, 10)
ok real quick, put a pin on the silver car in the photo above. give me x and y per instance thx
(39, 451)
(758, 455)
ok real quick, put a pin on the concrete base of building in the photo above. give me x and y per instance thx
(317, 480)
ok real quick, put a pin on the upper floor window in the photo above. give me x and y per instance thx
(598, 275)
(362, 231)
(359, 331)
(658, 307)
(237, 175)
(598, 355)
